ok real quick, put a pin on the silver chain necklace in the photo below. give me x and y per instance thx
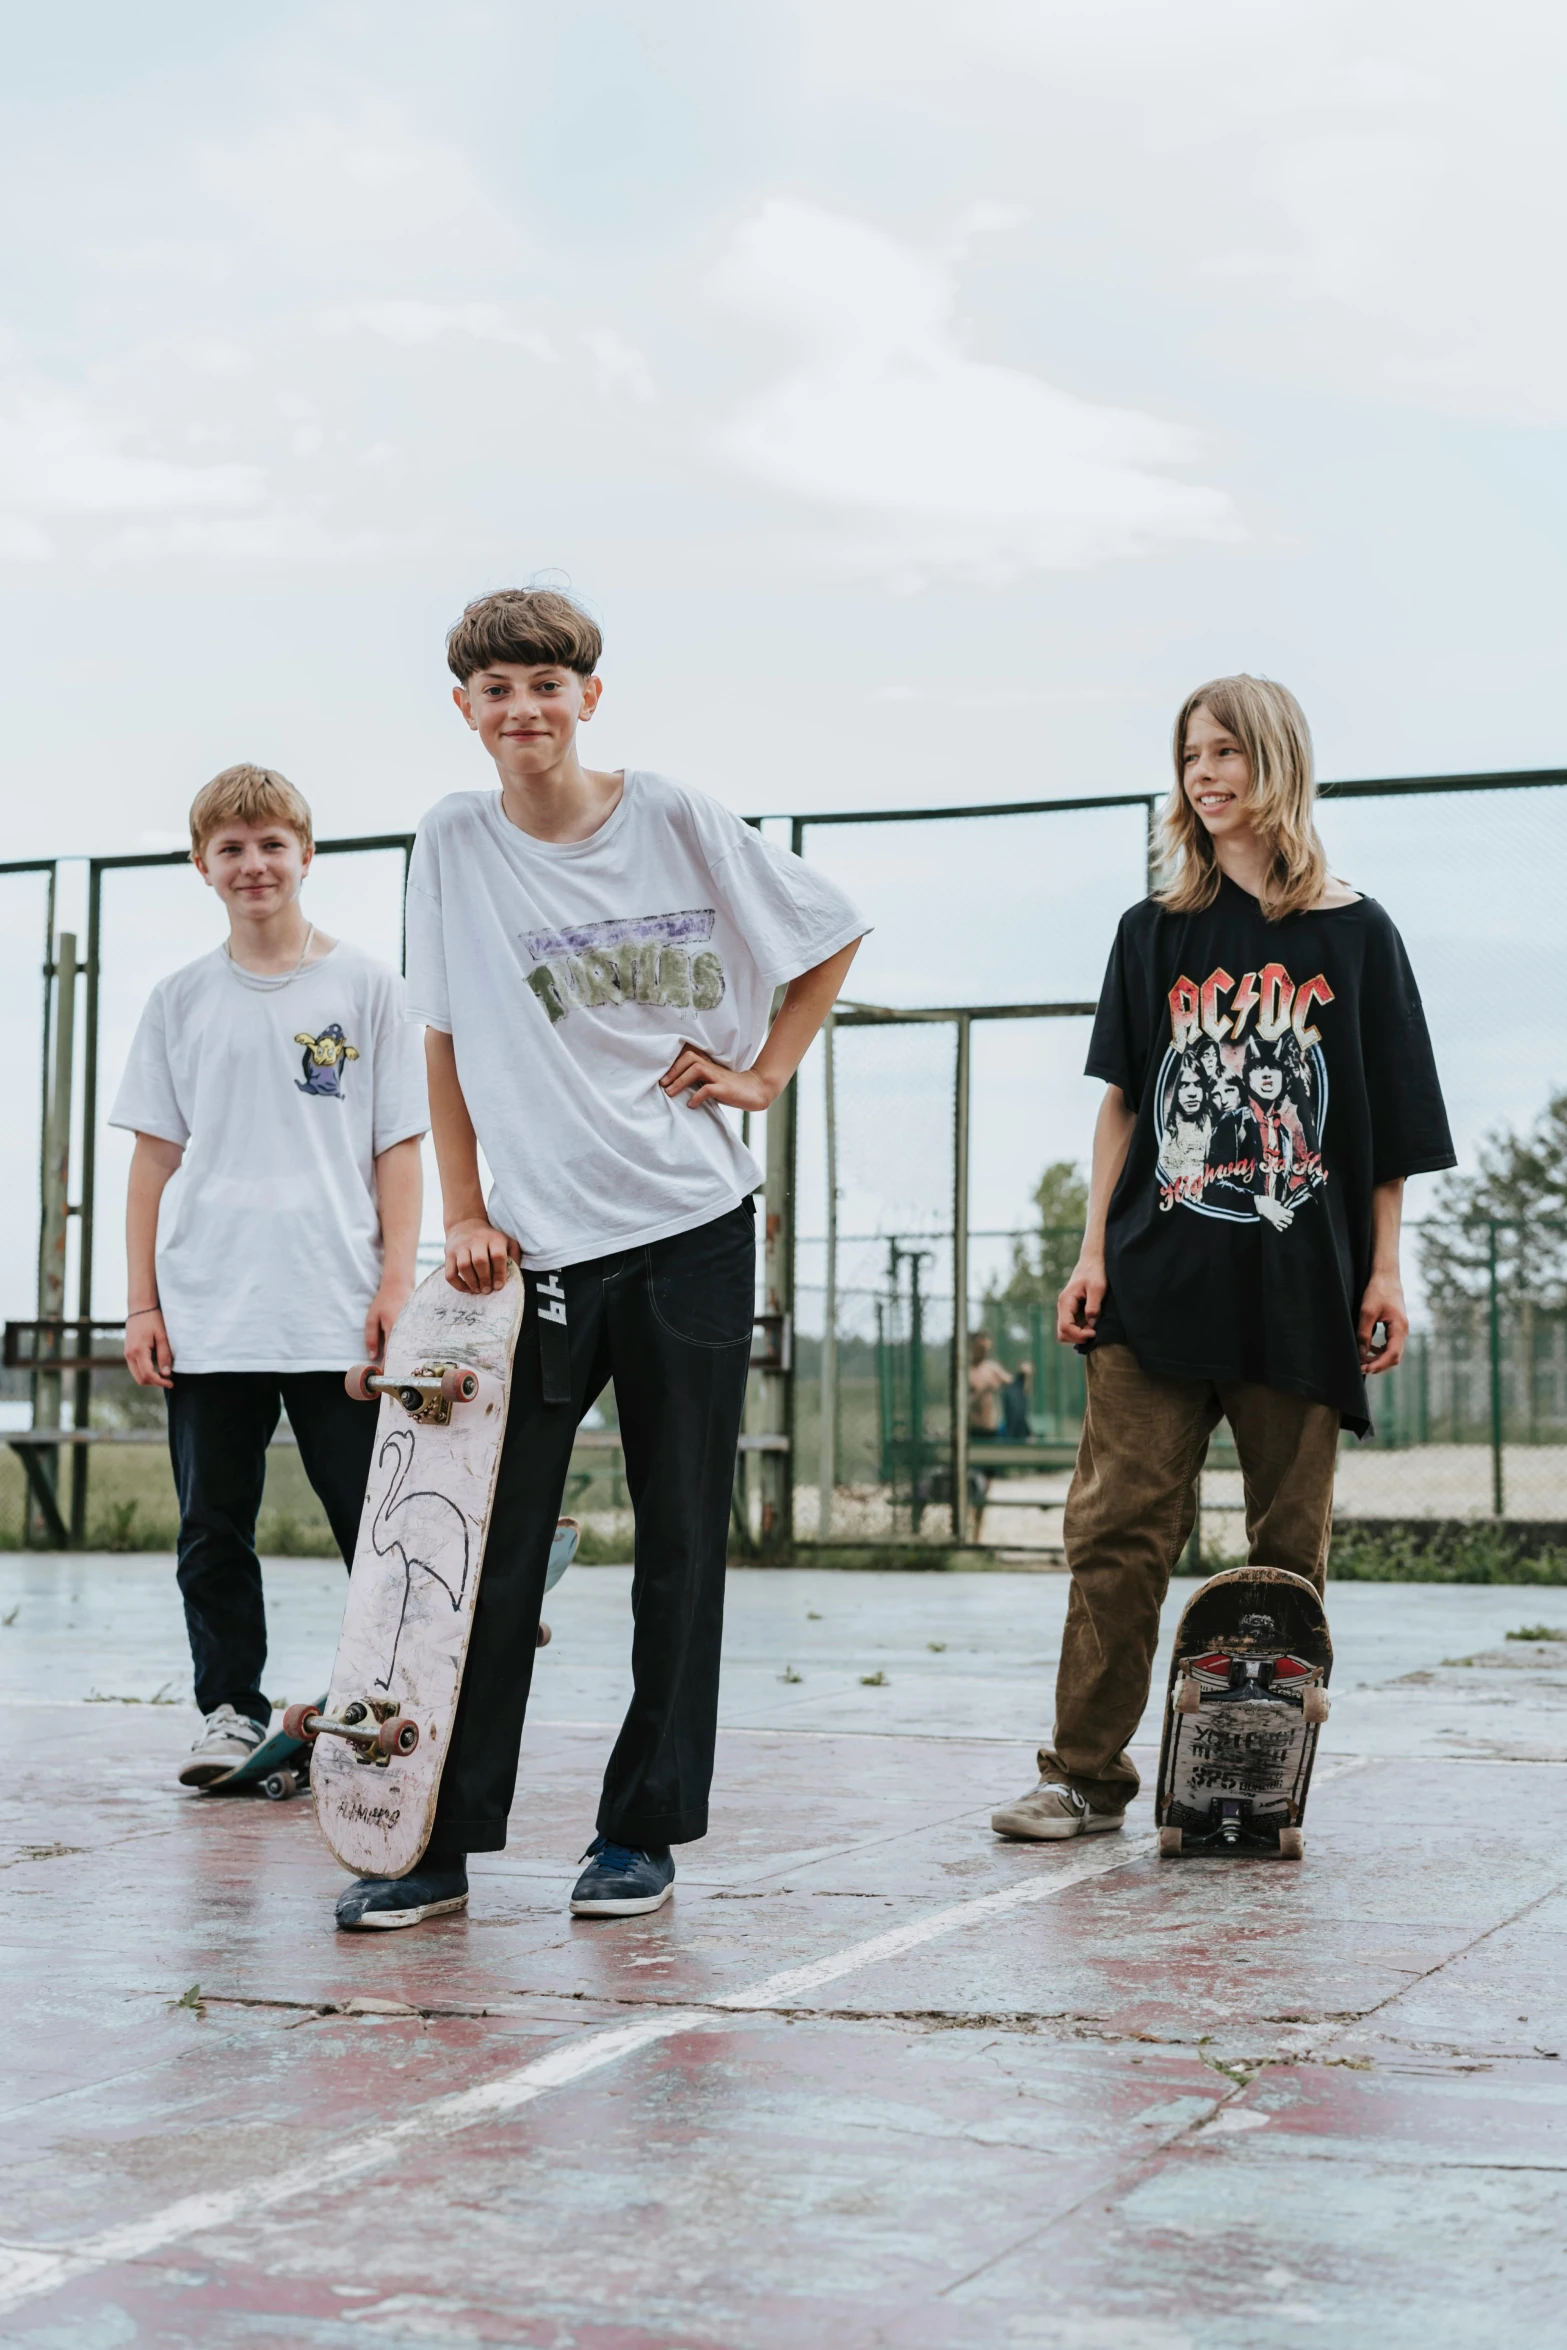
(268, 983)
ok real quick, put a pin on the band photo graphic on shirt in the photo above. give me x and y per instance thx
(1242, 1097)
(640, 959)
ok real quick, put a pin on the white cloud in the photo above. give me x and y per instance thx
(215, 356)
(618, 365)
(23, 542)
(943, 462)
(279, 538)
(58, 457)
(412, 323)
(1365, 193)
(366, 181)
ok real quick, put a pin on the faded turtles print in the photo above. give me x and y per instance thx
(324, 1061)
(1242, 1097)
(643, 959)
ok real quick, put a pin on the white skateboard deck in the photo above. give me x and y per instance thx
(416, 1575)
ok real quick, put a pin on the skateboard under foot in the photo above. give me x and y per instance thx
(280, 1767)
(1247, 1698)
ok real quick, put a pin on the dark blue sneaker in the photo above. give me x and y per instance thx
(621, 1882)
(426, 1892)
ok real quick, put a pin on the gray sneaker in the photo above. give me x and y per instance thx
(227, 1739)
(1053, 1809)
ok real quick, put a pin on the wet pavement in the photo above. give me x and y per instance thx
(872, 2078)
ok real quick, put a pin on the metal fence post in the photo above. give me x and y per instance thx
(960, 1223)
(49, 1390)
(915, 1258)
(1495, 1332)
(827, 1446)
(777, 1397)
(81, 1410)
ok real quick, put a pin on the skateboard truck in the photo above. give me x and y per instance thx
(373, 1728)
(427, 1394)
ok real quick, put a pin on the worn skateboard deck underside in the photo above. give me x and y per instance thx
(416, 1575)
(1252, 1658)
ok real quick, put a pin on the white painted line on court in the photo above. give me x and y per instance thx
(794, 1982)
(28, 2271)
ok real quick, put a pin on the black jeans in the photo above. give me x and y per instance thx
(220, 1423)
(670, 1324)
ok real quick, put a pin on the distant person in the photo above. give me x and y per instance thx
(595, 955)
(277, 1097)
(997, 1397)
(987, 1380)
(1265, 1291)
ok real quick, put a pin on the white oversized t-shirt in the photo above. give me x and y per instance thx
(269, 1237)
(568, 974)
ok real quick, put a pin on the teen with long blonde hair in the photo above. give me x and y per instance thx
(1262, 1286)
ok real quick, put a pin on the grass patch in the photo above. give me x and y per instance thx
(1482, 1553)
(1538, 1632)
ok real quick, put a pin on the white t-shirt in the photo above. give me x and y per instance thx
(269, 1237)
(569, 973)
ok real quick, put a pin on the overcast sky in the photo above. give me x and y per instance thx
(924, 397)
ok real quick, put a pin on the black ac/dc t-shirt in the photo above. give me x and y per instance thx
(1279, 1072)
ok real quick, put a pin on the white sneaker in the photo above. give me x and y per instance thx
(227, 1739)
(1053, 1809)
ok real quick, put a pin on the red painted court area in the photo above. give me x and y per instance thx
(873, 2078)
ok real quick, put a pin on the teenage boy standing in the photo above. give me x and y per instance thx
(1257, 1281)
(277, 1097)
(594, 956)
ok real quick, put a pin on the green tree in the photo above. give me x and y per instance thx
(1521, 1187)
(1042, 1261)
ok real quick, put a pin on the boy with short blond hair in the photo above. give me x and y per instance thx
(272, 1217)
(595, 957)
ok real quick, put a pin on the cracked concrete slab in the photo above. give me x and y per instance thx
(872, 2078)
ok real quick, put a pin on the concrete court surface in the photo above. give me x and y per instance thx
(873, 2077)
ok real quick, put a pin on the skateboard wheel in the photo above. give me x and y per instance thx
(357, 1382)
(278, 1786)
(544, 1635)
(459, 1386)
(398, 1736)
(1170, 1842)
(294, 1722)
(1316, 1705)
(1292, 1843)
(1187, 1697)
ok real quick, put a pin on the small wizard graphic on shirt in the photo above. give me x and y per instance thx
(324, 1059)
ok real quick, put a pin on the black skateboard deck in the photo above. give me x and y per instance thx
(1247, 1697)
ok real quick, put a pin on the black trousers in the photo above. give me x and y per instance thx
(670, 1324)
(220, 1423)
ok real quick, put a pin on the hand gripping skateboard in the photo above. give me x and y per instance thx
(1248, 1695)
(381, 1738)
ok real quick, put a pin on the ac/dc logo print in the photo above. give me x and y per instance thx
(1242, 1097)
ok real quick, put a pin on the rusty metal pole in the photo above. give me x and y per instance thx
(1494, 1349)
(960, 1224)
(775, 1410)
(86, 1192)
(827, 1444)
(48, 1391)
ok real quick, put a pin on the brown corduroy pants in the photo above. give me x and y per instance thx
(1128, 1518)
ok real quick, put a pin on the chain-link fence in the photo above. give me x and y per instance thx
(913, 1162)
(980, 914)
